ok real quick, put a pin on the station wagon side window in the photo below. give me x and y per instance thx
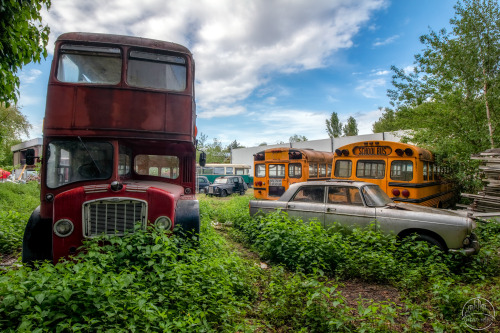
(344, 195)
(313, 194)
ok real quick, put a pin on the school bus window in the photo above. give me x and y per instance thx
(343, 169)
(260, 170)
(402, 170)
(370, 169)
(329, 169)
(294, 170)
(322, 170)
(313, 170)
(276, 171)
(425, 173)
(218, 170)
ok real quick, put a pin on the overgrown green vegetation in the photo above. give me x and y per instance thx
(150, 281)
(17, 201)
(435, 285)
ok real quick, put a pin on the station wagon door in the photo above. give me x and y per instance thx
(308, 203)
(345, 206)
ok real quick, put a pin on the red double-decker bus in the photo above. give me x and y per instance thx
(119, 143)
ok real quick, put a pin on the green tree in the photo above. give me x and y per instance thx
(234, 145)
(334, 126)
(387, 122)
(351, 127)
(23, 39)
(450, 99)
(297, 138)
(216, 153)
(12, 125)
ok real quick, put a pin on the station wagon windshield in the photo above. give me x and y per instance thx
(375, 197)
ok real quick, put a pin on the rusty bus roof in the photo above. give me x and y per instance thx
(424, 154)
(122, 40)
(310, 154)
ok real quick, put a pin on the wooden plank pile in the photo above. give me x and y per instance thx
(487, 202)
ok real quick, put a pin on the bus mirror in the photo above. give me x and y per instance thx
(30, 156)
(203, 159)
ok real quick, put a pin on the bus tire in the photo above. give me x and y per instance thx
(187, 218)
(37, 239)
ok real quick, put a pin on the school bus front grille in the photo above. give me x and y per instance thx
(114, 216)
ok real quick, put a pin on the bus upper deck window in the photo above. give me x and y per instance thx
(89, 64)
(343, 169)
(402, 170)
(157, 71)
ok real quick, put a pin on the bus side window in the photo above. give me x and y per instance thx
(426, 177)
(402, 170)
(322, 170)
(294, 170)
(229, 170)
(343, 169)
(313, 170)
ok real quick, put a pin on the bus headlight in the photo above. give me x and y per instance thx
(63, 228)
(163, 222)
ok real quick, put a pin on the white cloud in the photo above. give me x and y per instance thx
(236, 44)
(370, 88)
(28, 77)
(386, 41)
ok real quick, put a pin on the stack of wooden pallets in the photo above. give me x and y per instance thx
(487, 202)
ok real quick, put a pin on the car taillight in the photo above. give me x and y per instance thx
(396, 192)
(405, 193)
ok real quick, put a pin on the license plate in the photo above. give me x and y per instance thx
(274, 182)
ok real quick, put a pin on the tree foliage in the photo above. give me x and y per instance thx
(297, 138)
(334, 126)
(350, 127)
(450, 99)
(12, 125)
(23, 39)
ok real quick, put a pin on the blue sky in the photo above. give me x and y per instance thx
(266, 69)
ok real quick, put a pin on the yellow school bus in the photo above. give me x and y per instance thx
(405, 172)
(276, 168)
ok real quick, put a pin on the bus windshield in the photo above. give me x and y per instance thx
(375, 197)
(70, 161)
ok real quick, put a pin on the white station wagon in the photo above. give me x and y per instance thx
(352, 203)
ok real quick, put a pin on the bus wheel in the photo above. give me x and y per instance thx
(37, 239)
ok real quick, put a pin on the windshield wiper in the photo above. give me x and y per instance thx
(90, 155)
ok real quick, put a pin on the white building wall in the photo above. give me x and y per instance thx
(245, 155)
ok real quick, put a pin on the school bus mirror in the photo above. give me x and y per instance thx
(30, 157)
(203, 159)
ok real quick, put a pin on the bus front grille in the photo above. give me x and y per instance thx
(114, 216)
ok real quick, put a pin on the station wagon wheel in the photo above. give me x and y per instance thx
(430, 240)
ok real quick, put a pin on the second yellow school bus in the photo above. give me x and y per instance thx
(276, 168)
(405, 172)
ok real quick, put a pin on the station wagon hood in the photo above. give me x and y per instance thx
(424, 209)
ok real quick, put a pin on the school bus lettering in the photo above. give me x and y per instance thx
(377, 150)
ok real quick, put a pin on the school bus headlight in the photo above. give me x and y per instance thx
(405, 193)
(345, 152)
(399, 152)
(163, 222)
(338, 152)
(63, 228)
(408, 152)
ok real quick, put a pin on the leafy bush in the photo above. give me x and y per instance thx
(147, 281)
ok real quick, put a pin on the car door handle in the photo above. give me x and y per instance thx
(328, 210)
